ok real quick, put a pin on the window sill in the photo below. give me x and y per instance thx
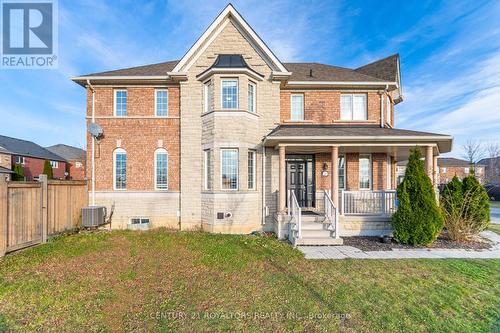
(289, 121)
(230, 111)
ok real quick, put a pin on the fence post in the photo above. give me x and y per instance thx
(3, 215)
(43, 180)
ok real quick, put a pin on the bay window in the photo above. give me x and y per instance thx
(229, 169)
(229, 94)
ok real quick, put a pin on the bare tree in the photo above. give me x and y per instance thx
(473, 151)
(493, 153)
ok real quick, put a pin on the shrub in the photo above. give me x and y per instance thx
(465, 207)
(47, 169)
(18, 174)
(418, 220)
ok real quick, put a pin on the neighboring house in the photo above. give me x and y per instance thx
(219, 138)
(32, 157)
(5, 163)
(76, 157)
(492, 169)
(448, 168)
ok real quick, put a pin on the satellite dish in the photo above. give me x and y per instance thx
(95, 130)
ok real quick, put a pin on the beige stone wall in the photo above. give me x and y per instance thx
(160, 207)
(225, 129)
(6, 161)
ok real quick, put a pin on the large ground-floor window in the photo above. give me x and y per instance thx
(365, 172)
(229, 169)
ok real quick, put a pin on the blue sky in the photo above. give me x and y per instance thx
(450, 56)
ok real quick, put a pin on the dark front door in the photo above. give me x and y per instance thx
(300, 179)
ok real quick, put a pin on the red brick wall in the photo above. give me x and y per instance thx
(76, 173)
(452, 171)
(33, 167)
(379, 171)
(323, 106)
(139, 137)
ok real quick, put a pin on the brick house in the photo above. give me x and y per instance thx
(76, 158)
(32, 157)
(449, 167)
(230, 139)
(5, 163)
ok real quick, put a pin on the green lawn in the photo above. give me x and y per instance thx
(173, 281)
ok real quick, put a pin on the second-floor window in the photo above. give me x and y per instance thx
(120, 103)
(161, 105)
(229, 94)
(54, 164)
(251, 97)
(19, 160)
(353, 107)
(388, 109)
(297, 107)
(208, 94)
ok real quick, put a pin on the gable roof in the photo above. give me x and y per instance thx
(69, 153)
(28, 149)
(4, 151)
(451, 162)
(229, 14)
(384, 69)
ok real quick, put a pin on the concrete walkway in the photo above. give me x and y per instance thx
(344, 252)
(495, 215)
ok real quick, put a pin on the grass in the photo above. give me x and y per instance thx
(175, 281)
(495, 204)
(495, 228)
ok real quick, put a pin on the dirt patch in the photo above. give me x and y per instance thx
(374, 244)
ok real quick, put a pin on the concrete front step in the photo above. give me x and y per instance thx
(312, 218)
(319, 241)
(316, 233)
(313, 226)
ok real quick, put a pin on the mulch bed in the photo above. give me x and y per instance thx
(374, 244)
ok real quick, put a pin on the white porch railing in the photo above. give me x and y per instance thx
(331, 214)
(368, 202)
(295, 212)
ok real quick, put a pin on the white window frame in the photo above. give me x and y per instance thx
(443, 170)
(389, 173)
(254, 170)
(254, 97)
(54, 164)
(291, 106)
(365, 96)
(115, 152)
(388, 105)
(208, 95)
(22, 160)
(156, 102)
(237, 169)
(157, 152)
(344, 174)
(114, 102)
(78, 165)
(206, 173)
(363, 156)
(237, 93)
(141, 220)
(467, 170)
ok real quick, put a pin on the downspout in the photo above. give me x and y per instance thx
(263, 185)
(93, 142)
(382, 95)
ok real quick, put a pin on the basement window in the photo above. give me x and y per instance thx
(139, 220)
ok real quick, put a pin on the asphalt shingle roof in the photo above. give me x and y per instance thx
(27, 148)
(69, 153)
(341, 130)
(379, 71)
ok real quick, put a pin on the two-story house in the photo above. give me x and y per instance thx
(230, 139)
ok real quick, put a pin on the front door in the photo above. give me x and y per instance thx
(300, 179)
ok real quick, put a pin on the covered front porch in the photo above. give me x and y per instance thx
(341, 186)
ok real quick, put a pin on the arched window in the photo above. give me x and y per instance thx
(119, 169)
(161, 169)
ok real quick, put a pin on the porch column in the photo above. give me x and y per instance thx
(335, 176)
(429, 161)
(282, 192)
(435, 171)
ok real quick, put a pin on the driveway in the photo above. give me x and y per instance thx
(495, 215)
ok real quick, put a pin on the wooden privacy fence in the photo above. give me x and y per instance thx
(30, 211)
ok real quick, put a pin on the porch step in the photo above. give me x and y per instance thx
(312, 218)
(313, 226)
(319, 241)
(315, 233)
